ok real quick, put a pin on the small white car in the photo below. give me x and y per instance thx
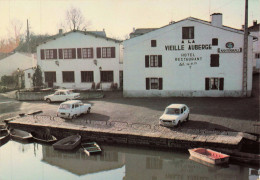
(73, 108)
(61, 95)
(174, 115)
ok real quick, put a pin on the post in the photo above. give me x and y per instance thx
(244, 83)
(100, 69)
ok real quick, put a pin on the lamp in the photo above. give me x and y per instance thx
(95, 61)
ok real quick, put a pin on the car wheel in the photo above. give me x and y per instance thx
(48, 100)
(88, 111)
(188, 118)
(179, 123)
(74, 116)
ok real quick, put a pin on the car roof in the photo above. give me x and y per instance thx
(176, 106)
(72, 102)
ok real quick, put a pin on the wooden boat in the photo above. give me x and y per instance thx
(68, 143)
(209, 156)
(91, 148)
(17, 134)
(44, 138)
(4, 136)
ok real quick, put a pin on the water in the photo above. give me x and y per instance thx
(35, 161)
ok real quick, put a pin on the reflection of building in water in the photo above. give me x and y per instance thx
(79, 163)
(142, 164)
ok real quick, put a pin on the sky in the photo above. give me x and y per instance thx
(119, 17)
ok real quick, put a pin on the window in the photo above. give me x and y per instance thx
(50, 76)
(68, 76)
(153, 43)
(214, 60)
(187, 32)
(49, 53)
(153, 61)
(87, 52)
(108, 52)
(107, 76)
(154, 83)
(214, 83)
(214, 41)
(69, 53)
(257, 55)
(87, 76)
(29, 75)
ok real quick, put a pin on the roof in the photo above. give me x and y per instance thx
(175, 106)
(99, 34)
(141, 31)
(254, 28)
(146, 30)
(72, 102)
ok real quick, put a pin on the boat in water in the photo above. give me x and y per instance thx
(91, 148)
(44, 138)
(68, 143)
(209, 156)
(20, 135)
(4, 136)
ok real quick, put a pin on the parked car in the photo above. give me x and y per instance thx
(174, 115)
(61, 95)
(73, 108)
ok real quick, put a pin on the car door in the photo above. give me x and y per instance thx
(182, 115)
(62, 96)
(77, 109)
(56, 96)
(185, 112)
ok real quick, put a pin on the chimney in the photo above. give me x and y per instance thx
(254, 22)
(60, 31)
(133, 29)
(216, 19)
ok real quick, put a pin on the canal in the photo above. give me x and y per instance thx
(35, 161)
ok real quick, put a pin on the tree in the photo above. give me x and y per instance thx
(74, 20)
(37, 77)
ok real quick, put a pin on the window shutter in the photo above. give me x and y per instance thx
(92, 53)
(55, 54)
(79, 53)
(98, 52)
(42, 54)
(160, 83)
(159, 60)
(60, 54)
(146, 60)
(206, 83)
(113, 52)
(147, 83)
(221, 84)
(217, 60)
(74, 53)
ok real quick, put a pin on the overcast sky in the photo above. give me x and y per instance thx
(118, 17)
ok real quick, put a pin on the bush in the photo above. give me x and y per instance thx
(114, 86)
(6, 80)
(4, 89)
(93, 86)
(98, 86)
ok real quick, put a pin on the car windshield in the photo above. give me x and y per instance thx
(64, 106)
(172, 111)
(69, 92)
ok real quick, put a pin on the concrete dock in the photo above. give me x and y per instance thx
(131, 134)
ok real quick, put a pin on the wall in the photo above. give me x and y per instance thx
(185, 80)
(79, 40)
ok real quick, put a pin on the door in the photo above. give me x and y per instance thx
(121, 79)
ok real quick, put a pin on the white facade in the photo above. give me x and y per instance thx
(184, 71)
(255, 31)
(10, 64)
(28, 74)
(63, 61)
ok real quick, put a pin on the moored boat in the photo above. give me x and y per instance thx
(44, 138)
(209, 156)
(20, 135)
(4, 136)
(68, 143)
(91, 148)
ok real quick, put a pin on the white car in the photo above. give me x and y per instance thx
(61, 95)
(73, 108)
(174, 115)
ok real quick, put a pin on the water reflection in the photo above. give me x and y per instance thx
(35, 161)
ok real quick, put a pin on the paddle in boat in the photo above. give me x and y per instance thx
(44, 138)
(4, 136)
(91, 148)
(209, 156)
(20, 135)
(68, 143)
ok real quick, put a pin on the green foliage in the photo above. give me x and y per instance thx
(4, 89)
(7, 80)
(37, 77)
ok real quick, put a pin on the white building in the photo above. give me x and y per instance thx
(190, 57)
(255, 31)
(80, 60)
(10, 64)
